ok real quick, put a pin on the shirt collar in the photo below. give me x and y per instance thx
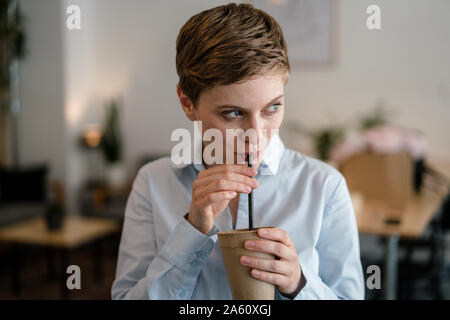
(269, 163)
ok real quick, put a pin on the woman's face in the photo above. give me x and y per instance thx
(255, 104)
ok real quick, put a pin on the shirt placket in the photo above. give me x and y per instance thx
(242, 212)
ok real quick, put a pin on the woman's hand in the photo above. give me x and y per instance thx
(285, 272)
(214, 188)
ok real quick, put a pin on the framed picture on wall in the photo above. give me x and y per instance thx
(309, 28)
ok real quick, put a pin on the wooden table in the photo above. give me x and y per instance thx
(76, 231)
(375, 218)
(441, 164)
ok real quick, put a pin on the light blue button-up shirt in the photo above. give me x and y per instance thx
(162, 256)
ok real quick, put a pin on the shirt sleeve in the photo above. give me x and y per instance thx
(340, 274)
(143, 272)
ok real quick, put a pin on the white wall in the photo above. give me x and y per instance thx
(135, 57)
(81, 103)
(127, 48)
(406, 64)
(41, 122)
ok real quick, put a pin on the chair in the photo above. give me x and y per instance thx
(23, 193)
(433, 243)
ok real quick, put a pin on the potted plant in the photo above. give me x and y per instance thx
(323, 139)
(377, 117)
(112, 145)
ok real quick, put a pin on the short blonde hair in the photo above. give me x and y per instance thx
(228, 44)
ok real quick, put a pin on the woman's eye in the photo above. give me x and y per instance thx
(273, 108)
(232, 114)
(235, 114)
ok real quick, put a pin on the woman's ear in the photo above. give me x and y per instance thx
(186, 104)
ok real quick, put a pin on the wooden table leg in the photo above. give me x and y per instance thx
(63, 279)
(51, 270)
(15, 268)
(98, 263)
(391, 267)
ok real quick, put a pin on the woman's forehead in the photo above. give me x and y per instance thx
(255, 92)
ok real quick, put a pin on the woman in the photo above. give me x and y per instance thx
(232, 64)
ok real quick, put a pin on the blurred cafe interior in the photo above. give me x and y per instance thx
(86, 103)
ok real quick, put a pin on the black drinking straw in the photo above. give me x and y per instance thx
(250, 200)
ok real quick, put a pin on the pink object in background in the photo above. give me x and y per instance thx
(381, 139)
(346, 149)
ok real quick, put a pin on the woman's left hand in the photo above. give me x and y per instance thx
(284, 272)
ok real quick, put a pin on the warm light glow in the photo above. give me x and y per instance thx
(75, 110)
(92, 136)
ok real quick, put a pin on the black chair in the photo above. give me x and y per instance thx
(432, 243)
(23, 193)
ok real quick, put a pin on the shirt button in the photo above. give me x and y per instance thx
(195, 263)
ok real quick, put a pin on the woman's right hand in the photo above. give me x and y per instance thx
(214, 188)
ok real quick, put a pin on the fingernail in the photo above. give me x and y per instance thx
(246, 260)
(250, 244)
(256, 272)
(263, 232)
(248, 189)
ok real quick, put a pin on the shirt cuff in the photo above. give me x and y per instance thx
(292, 296)
(314, 287)
(187, 247)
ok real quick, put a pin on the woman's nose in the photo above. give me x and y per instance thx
(255, 131)
(255, 123)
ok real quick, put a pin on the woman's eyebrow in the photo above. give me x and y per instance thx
(227, 106)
